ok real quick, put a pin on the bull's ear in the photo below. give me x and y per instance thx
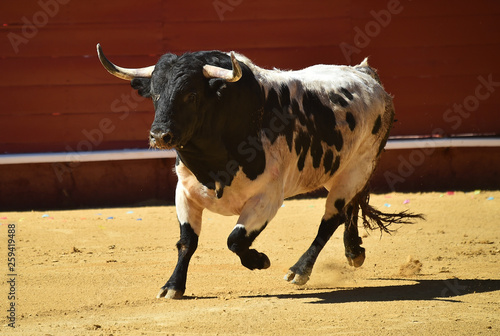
(142, 85)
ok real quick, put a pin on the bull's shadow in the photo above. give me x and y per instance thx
(443, 290)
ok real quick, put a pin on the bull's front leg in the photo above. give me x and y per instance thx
(189, 216)
(240, 240)
(354, 253)
(253, 219)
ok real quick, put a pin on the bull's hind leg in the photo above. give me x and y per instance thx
(343, 188)
(300, 272)
(354, 253)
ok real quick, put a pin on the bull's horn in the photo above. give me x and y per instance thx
(123, 73)
(233, 75)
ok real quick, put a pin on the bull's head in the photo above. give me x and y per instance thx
(183, 89)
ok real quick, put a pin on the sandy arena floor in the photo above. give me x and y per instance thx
(97, 272)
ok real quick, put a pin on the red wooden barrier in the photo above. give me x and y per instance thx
(429, 54)
(434, 57)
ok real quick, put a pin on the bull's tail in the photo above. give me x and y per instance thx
(365, 68)
(373, 218)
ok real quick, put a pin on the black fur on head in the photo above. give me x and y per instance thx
(187, 103)
(204, 119)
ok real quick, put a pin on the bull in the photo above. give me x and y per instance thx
(247, 138)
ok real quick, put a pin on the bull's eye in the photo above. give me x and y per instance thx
(156, 97)
(191, 97)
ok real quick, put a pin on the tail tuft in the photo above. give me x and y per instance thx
(373, 218)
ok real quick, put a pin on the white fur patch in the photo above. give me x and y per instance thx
(258, 201)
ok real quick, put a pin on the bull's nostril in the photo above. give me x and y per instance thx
(166, 137)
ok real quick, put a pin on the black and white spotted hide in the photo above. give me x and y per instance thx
(247, 138)
(323, 126)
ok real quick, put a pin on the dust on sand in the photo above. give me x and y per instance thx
(410, 268)
(97, 271)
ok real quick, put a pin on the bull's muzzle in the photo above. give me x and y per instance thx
(161, 140)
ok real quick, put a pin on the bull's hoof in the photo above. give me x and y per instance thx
(296, 279)
(255, 260)
(356, 261)
(170, 294)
